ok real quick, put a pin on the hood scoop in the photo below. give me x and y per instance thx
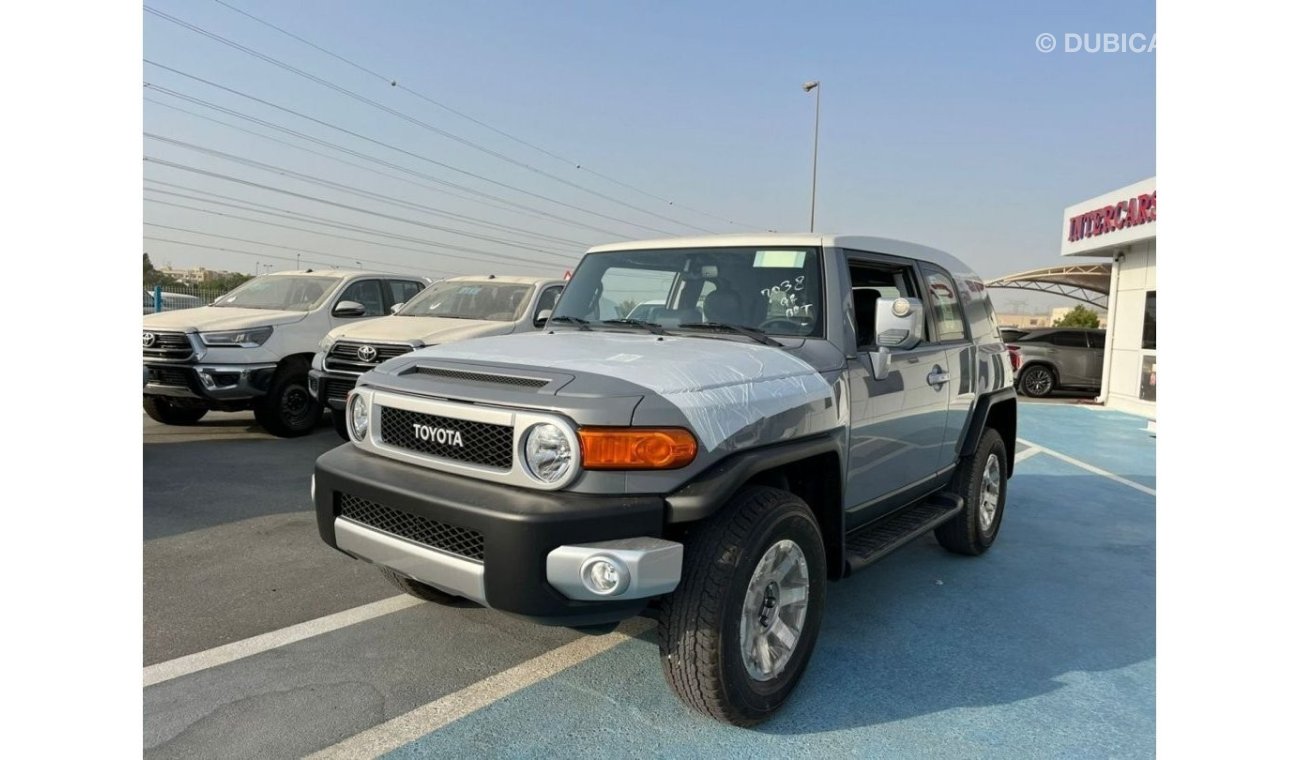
(488, 378)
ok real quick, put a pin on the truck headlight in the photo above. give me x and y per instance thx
(250, 338)
(548, 453)
(358, 416)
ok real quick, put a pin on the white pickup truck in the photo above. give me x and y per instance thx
(455, 309)
(252, 348)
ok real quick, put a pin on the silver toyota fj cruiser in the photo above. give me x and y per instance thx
(787, 410)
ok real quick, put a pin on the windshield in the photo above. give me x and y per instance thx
(280, 293)
(775, 290)
(461, 299)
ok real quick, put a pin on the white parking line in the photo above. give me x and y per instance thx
(1089, 467)
(192, 663)
(423, 720)
(1027, 453)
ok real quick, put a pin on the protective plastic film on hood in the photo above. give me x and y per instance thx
(720, 386)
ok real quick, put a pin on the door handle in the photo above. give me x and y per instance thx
(937, 377)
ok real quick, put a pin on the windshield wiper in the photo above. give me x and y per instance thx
(653, 327)
(748, 332)
(581, 323)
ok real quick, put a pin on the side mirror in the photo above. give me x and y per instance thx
(396, 307)
(349, 309)
(900, 325)
(542, 316)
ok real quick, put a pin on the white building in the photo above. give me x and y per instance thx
(1121, 226)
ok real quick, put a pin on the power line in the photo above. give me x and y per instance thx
(269, 188)
(500, 204)
(321, 253)
(394, 83)
(548, 239)
(389, 146)
(284, 247)
(408, 118)
(283, 213)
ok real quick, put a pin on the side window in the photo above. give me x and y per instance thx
(547, 299)
(945, 306)
(368, 293)
(1070, 339)
(873, 282)
(1097, 340)
(401, 291)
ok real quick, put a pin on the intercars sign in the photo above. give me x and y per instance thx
(1119, 216)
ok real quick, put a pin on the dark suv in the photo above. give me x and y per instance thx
(1060, 358)
(793, 409)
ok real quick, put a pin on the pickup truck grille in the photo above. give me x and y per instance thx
(462, 542)
(337, 390)
(167, 346)
(346, 355)
(478, 443)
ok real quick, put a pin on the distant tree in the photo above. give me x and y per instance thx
(226, 282)
(626, 307)
(154, 277)
(1079, 316)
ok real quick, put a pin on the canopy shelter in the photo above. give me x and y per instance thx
(1089, 283)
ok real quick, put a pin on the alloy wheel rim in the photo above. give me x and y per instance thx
(296, 405)
(774, 611)
(990, 491)
(1039, 381)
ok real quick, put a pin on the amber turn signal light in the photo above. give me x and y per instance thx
(621, 448)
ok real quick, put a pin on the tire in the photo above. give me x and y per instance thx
(164, 410)
(701, 624)
(417, 589)
(1037, 380)
(975, 528)
(340, 420)
(288, 409)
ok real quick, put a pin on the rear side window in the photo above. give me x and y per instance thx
(1070, 339)
(1097, 339)
(945, 306)
(401, 291)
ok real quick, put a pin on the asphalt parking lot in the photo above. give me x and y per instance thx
(259, 641)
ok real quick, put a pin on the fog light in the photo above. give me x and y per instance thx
(208, 381)
(605, 575)
(313, 386)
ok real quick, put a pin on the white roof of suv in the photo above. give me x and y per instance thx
(855, 242)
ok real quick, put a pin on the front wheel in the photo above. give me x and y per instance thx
(981, 481)
(736, 635)
(288, 410)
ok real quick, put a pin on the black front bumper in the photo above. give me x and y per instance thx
(519, 527)
(331, 388)
(213, 384)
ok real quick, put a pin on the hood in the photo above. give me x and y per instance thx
(207, 318)
(721, 386)
(430, 330)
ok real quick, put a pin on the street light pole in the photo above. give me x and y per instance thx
(817, 123)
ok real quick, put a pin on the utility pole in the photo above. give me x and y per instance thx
(817, 123)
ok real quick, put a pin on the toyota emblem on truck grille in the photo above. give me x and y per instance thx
(149, 339)
(367, 353)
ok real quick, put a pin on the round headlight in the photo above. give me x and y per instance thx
(548, 453)
(358, 416)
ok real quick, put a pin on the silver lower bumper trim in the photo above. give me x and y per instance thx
(445, 572)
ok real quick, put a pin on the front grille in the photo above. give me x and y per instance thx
(337, 390)
(462, 542)
(343, 356)
(167, 346)
(169, 376)
(481, 443)
(482, 377)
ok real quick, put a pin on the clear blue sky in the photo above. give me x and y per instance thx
(942, 123)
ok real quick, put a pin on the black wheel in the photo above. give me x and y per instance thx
(168, 412)
(340, 419)
(417, 589)
(288, 410)
(981, 481)
(1037, 381)
(737, 633)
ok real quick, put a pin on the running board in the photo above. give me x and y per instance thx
(872, 542)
